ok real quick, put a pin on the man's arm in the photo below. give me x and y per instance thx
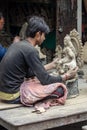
(38, 69)
(51, 65)
(40, 72)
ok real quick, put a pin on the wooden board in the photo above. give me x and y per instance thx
(4, 106)
(75, 110)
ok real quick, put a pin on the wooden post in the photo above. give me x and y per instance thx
(57, 19)
(66, 14)
(79, 17)
(59, 38)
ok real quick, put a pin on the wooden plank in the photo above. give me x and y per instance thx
(55, 116)
(59, 117)
(4, 106)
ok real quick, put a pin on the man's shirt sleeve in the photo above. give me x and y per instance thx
(38, 69)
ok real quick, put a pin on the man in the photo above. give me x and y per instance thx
(2, 49)
(16, 39)
(22, 60)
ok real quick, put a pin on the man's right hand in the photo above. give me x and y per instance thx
(70, 74)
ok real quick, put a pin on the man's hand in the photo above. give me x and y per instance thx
(70, 74)
(51, 65)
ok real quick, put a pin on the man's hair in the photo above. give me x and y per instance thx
(1, 15)
(36, 24)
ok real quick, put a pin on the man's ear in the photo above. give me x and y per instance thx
(38, 34)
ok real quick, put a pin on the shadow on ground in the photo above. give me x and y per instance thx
(77, 126)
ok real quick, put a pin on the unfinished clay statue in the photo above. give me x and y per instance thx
(41, 55)
(23, 31)
(76, 40)
(58, 53)
(69, 55)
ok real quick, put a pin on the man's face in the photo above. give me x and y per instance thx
(1, 23)
(40, 37)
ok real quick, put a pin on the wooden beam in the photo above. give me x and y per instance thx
(79, 17)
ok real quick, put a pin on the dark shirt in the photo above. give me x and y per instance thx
(20, 59)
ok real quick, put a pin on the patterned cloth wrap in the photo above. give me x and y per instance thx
(32, 92)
